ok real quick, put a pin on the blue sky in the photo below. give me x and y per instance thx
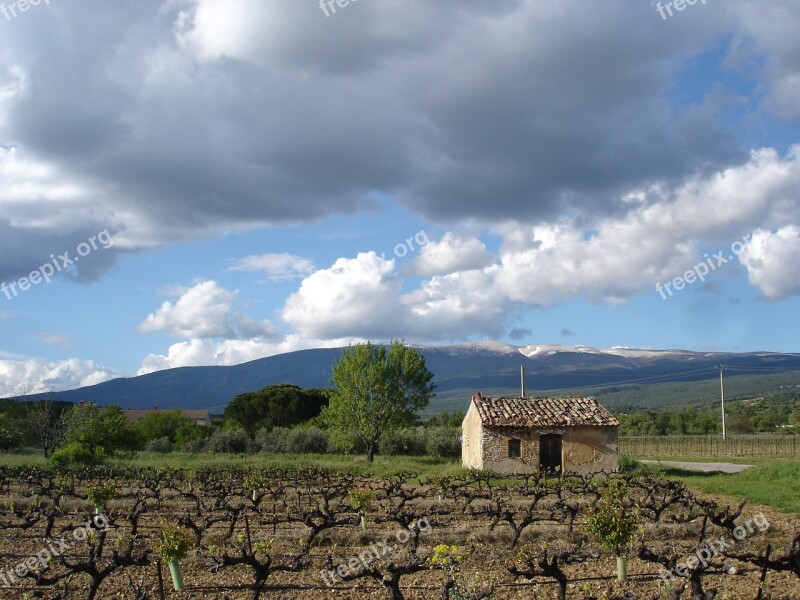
(273, 179)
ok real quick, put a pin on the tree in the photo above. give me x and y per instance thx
(43, 420)
(190, 432)
(739, 422)
(10, 436)
(377, 389)
(613, 520)
(162, 423)
(101, 431)
(276, 406)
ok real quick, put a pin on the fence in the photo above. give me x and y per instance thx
(710, 446)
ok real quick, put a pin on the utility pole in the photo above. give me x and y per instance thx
(721, 368)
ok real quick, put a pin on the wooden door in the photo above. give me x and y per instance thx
(550, 453)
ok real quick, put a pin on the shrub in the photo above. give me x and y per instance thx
(191, 432)
(274, 442)
(614, 518)
(10, 437)
(308, 440)
(195, 445)
(627, 463)
(443, 442)
(229, 441)
(159, 445)
(75, 454)
(403, 442)
(173, 542)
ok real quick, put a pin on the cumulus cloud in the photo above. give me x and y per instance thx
(205, 311)
(363, 297)
(19, 377)
(492, 111)
(452, 254)
(231, 352)
(771, 259)
(658, 239)
(277, 267)
(354, 297)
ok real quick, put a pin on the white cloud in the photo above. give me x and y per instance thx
(355, 297)
(54, 339)
(18, 377)
(205, 311)
(35, 194)
(658, 239)
(278, 267)
(452, 254)
(771, 259)
(231, 352)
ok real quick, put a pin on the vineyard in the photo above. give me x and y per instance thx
(711, 446)
(299, 534)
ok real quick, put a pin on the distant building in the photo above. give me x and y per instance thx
(201, 417)
(514, 435)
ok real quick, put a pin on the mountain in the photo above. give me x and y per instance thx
(459, 370)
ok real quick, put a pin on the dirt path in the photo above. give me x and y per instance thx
(699, 466)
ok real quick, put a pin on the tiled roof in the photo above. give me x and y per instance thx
(542, 412)
(137, 415)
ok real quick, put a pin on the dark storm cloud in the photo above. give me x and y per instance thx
(188, 116)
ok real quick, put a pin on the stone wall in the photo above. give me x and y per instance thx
(591, 449)
(585, 449)
(471, 440)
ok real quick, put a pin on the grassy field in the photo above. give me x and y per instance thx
(383, 465)
(773, 483)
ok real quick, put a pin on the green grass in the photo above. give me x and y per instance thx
(773, 483)
(740, 460)
(383, 465)
(21, 460)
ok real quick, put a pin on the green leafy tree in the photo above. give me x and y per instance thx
(276, 406)
(739, 422)
(10, 436)
(446, 419)
(162, 423)
(377, 389)
(100, 431)
(613, 520)
(191, 431)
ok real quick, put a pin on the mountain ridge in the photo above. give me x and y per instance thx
(459, 371)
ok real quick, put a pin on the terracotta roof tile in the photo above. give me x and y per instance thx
(506, 411)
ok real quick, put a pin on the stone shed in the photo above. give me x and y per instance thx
(518, 435)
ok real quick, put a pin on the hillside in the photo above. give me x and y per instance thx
(625, 378)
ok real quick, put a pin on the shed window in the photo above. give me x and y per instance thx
(514, 448)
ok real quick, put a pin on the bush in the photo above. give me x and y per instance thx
(196, 445)
(274, 442)
(627, 463)
(75, 454)
(443, 442)
(9, 439)
(308, 440)
(159, 445)
(229, 441)
(192, 432)
(403, 442)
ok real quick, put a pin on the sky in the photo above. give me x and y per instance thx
(208, 182)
